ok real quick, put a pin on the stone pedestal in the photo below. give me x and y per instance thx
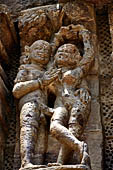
(62, 167)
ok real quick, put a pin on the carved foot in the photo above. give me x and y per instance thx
(53, 164)
(30, 166)
(81, 150)
(86, 159)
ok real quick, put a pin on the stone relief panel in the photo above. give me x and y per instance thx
(43, 22)
(58, 77)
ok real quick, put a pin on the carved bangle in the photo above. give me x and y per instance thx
(40, 82)
(81, 72)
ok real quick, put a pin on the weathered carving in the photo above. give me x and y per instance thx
(72, 105)
(8, 37)
(66, 79)
(43, 22)
(33, 100)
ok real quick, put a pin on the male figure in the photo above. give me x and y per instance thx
(29, 89)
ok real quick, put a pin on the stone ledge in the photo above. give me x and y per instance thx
(62, 167)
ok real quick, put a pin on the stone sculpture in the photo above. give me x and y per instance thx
(32, 100)
(72, 105)
(66, 79)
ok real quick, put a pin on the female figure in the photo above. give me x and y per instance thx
(73, 99)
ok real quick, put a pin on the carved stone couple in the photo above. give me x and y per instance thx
(66, 79)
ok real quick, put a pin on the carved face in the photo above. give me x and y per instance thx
(67, 55)
(40, 52)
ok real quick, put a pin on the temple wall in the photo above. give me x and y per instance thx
(106, 73)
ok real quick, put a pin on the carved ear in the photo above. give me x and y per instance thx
(27, 50)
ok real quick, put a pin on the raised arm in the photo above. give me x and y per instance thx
(88, 57)
(74, 32)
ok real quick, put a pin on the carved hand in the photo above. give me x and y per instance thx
(50, 76)
(46, 110)
(78, 73)
(84, 95)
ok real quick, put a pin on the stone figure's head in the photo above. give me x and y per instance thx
(39, 52)
(67, 55)
(24, 59)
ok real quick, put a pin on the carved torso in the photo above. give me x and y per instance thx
(65, 88)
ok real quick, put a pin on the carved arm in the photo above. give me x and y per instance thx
(72, 32)
(22, 88)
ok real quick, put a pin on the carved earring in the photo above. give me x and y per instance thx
(27, 50)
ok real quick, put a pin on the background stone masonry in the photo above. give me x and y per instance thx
(16, 6)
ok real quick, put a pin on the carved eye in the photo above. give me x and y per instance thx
(60, 56)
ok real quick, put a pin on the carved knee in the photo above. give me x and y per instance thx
(30, 115)
(53, 128)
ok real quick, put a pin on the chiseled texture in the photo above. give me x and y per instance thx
(39, 23)
(62, 167)
(8, 37)
(16, 6)
(5, 112)
(46, 23)
(32, 99)
(72, 105)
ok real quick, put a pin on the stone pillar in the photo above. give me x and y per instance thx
(105, 75)
(106, 59)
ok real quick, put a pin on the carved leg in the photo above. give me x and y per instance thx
(76, 129)
(27, 145)
(62, 134)
(42, 145)
(64, 155)
(29, 118)
(78, 118)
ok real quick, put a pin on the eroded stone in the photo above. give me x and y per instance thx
(8, 37)
(63, 167)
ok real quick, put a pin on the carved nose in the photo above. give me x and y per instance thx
(66, 95)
